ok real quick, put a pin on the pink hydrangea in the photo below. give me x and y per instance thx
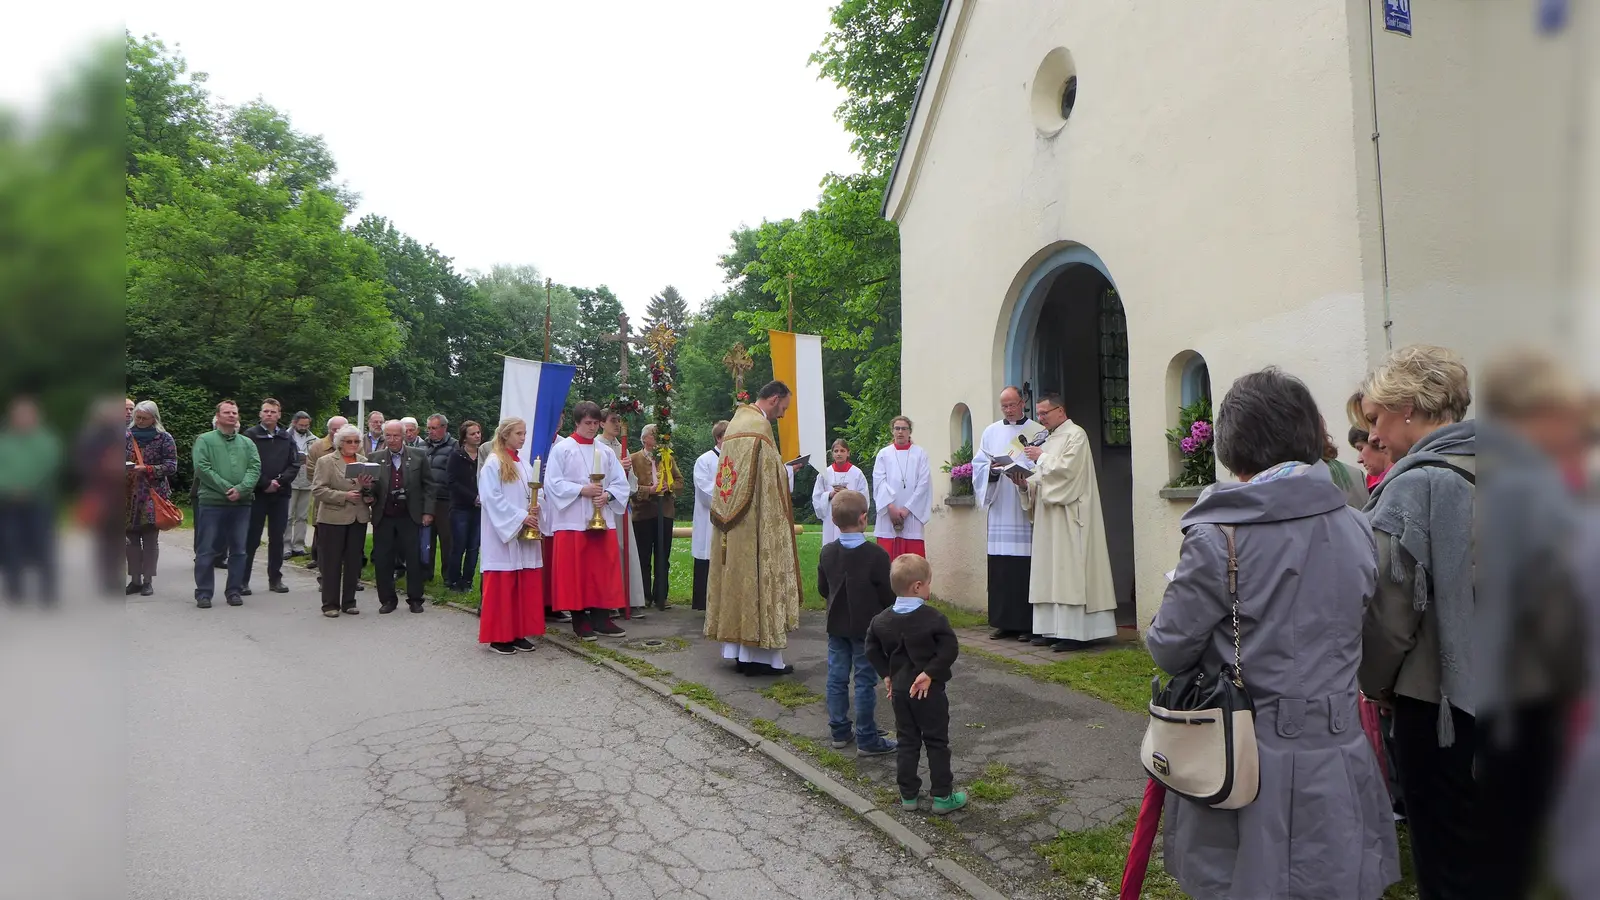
(962, 471)
(1189, 445)
(1200, 431)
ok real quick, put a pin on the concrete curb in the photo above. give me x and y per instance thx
(951, 870)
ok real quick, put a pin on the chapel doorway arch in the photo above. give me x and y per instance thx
(1068, 334)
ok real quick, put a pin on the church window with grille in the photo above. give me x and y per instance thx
(1114, 371)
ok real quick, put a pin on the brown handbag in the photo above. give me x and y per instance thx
(168, 515)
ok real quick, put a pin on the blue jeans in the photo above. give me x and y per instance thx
(462, 566)
(844, 656)
(217, 530)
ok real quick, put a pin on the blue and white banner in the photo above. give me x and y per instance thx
(536, 393)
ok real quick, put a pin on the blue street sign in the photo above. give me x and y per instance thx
(1397, 16)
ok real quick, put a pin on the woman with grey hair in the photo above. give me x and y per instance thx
(344, 507)
(1417, 652)
(1320, 826)
(152, 459)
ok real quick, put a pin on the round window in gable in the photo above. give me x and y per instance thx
(1069, 96)
(1054, 92)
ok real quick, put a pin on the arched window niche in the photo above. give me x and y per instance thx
(959, 464)
(1191, 458)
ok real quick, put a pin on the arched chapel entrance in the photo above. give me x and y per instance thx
(1068, 334)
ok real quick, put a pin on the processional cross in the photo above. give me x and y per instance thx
(738, 362)
(622, 339)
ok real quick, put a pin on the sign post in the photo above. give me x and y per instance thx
(361, 391)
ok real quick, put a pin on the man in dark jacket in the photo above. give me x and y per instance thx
(439, 447)
(280, 464)
(404, 499)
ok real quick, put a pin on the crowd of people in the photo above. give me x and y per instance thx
(1449, 618)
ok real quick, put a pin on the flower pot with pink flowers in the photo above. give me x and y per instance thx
(1193, 441)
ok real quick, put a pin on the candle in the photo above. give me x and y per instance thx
(536, 461)
(597, 457)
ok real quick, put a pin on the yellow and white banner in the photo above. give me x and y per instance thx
(797, 362)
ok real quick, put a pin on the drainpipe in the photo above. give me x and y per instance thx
(1377, 156)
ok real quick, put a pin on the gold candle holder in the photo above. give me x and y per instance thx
(597, 522)
(532, 534)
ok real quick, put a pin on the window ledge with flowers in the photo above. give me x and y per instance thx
(1192, 440)
(960, 469)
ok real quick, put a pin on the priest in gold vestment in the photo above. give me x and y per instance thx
(1069, 584)
(753, 591)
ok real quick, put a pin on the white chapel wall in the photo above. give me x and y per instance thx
(1208, 162)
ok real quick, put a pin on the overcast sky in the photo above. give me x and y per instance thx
(608, 143)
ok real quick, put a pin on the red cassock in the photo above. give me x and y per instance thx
(897, 547)
(513, 605)
(585, 571)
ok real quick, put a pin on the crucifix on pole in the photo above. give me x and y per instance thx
(622, 339)
(790, 278)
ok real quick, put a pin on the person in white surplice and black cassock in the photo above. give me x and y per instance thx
(705, 479)
(903, 492)
(585, 565)
(513, 583)
(841, 476)
(1010, 532)
(1069, 584)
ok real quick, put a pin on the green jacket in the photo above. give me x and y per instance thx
(29, 463)
(226, 461)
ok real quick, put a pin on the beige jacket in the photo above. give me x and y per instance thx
(330, 488)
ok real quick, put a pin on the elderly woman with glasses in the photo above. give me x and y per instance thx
(344, 507)
(152, 459)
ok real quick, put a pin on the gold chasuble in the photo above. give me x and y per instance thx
(753, 592)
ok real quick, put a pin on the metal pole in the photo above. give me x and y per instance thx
(547, 283)
(791, 302)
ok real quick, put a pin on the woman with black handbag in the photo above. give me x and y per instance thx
(1263, 620)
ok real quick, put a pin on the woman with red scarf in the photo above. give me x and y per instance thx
(841, 476)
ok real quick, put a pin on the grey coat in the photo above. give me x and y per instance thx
(1575, 830)
(1321, 826)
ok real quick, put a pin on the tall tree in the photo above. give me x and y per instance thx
(241, 279)
(876, 52)
(669, 307)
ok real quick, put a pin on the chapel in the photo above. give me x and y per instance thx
(1131, 203)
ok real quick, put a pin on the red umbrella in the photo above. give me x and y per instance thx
(1144, 840)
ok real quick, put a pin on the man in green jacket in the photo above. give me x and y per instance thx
(226, 469)
(30, 465)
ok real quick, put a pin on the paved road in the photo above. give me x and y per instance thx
(277, 754)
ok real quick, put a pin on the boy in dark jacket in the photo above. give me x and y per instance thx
(913, 647)
(853, 576)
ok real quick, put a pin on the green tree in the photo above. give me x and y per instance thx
(241, 279)
(669, 307)
(597, 359)
(876, 53)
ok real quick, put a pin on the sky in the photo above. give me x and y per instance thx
(614, 143)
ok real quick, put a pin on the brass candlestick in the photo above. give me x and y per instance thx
(597, 522)
(532, 534)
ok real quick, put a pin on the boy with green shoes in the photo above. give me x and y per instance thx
(912, 646)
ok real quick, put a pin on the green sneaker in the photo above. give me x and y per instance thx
(908, 805)
(944, 806)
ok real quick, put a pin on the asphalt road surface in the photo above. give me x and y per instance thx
(273, 753)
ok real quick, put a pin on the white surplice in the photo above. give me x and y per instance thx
(852, 479)
(505, 506)
(902, 478)
(705, 478)
(627, 546)
(1010, 531)
(568, 471)
(1069, 583)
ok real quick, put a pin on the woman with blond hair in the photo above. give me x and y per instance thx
(513, 585)
(1417, 646)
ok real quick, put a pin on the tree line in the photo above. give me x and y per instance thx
(243, 281)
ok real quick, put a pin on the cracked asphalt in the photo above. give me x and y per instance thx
(273, 753)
